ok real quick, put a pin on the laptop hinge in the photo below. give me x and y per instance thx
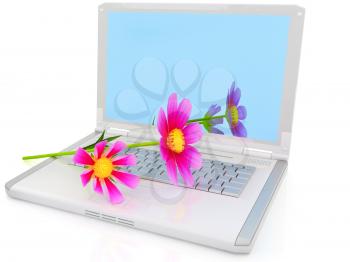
(257, 153)
(113, 130)
(118, 131)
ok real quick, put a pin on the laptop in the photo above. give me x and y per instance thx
(147, 52)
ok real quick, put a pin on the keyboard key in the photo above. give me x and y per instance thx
(201, 186)
(210, 175)
(141, 154)
(230, 168)
(244, 176)
(239, 180)
(162, 167)
(216, 163)
(152, 152)
(205, 170)
(250, 168)
(163, 179)
(204, 180)
(202, 173)
(132, 169)
(158, 172)
(131, 150)
(223, 179)
(245, 171)
(231, 191)
(217, 170)
(216, 188)
(197, 174)
(234, 184)
(206, 164)
(230, 174)
(227, 164)
(140, 158)
(216, 177)
(148, 164)
(147, 173)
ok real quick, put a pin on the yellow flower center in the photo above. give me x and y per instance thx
(234, 115)
(103, 167)
(176, 140)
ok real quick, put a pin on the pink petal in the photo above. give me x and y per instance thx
(172, 104)
(164, 152)
(127, 160)
(114, 194)
(127, 179)
(116, 148)
(98, 186)
(172, 111)
(86, 176)
(185, 171)
(99, 148)
(171, 170)
(183, 113)
(82, 157)
(162, 123)
(193, 156)
(193, 133)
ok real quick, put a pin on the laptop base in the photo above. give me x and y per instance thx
(213, 220)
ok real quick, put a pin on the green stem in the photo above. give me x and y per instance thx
(142, 144)
(68, 153)
(151, 143)
(205, 118)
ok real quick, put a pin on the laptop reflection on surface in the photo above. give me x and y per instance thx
(238, 64)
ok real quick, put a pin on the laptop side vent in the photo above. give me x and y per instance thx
(92, 214)
(109, 218)
(126, 222)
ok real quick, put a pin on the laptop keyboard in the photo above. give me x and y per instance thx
(214, 176)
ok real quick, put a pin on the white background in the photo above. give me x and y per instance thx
(48, 62)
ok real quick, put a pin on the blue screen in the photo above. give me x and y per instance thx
(199, 56)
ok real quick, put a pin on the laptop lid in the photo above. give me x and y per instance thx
(148, 51)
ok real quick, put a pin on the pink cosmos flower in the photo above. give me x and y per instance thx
(103, 169)
(176, 139)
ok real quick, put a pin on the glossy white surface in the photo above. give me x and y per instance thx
(50, 65)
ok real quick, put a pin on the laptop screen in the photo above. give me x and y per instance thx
(202, 57)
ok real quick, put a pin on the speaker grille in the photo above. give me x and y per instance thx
(109, 218)
(126, 222)
(92, 214)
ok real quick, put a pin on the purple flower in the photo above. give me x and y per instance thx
(209, 125)
(235, 113)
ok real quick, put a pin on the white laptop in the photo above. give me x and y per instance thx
(148, 51)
